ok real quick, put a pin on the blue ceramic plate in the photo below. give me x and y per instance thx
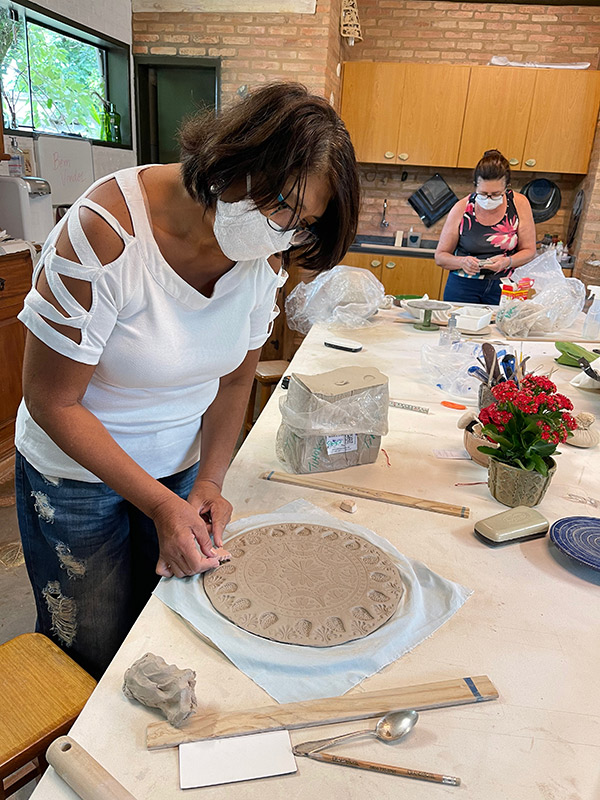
(579, 538)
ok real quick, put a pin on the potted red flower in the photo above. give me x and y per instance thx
(527, 423)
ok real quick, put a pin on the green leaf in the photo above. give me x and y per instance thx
(49, 102)
(489, 451)
(543, 448)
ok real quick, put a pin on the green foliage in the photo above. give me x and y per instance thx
(63, 73)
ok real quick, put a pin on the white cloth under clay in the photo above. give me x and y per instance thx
(160, 346)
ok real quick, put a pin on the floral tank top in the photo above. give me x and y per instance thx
(486, 241)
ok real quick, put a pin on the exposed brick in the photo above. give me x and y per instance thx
(205, 39)
(139, 49)
(140, 26)
(235, 39)
(146, 37)
(474, 26)
(544, 18)
(192, 51)
(175, 38)
(251, 29)
(163, 51)
(161, 27)
(220, 29)
(526, 48)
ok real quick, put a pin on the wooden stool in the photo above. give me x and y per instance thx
(42, 692)
(266, 376)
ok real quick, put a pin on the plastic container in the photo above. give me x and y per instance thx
(591, 326)
(16, 165)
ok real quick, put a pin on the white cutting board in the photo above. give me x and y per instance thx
(236, 758)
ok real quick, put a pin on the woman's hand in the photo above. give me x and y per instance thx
(211, 506)
(498, 263)
(185, 544)
(468, 264)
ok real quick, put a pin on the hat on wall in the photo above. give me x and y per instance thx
(544, 198)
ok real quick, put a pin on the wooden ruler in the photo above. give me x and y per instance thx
(327, 711)
(369, 494)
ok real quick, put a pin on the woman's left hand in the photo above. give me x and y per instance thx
(207, 500)
(498, 263)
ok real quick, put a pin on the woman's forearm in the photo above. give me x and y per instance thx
(447, 260)
(521, 257)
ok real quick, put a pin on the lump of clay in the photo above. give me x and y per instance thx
(154, 683)
(583, 435)
(222, 554)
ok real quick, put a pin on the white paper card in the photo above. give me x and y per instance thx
(451, 454)
(341, 444)
(236, 758)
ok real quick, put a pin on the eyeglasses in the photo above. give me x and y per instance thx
(491, 195)
(283, 218)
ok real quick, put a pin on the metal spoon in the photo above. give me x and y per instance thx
(391, 727)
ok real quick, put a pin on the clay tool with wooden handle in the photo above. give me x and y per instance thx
(83, 773)
(368, 494)
(388, 769)
(326, 711)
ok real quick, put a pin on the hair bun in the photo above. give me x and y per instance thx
(492, 153)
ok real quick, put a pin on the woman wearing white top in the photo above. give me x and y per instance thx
(149, 306)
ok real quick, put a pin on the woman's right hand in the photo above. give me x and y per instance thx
(468, 264)
(185, 544)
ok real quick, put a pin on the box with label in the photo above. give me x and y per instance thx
(333, 420)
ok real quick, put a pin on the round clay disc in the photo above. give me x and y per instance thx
(305, 584)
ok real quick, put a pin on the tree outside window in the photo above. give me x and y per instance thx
(50, 82)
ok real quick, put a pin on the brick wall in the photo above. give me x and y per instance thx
(253, 48)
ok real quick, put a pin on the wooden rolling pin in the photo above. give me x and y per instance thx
(83, 773)
(369, 494)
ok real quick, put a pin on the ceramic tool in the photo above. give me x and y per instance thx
(409, 407)
(428, 307)
(389, 728)
(82, 773)
(478, 373)
(388, 769)
(450, 404)
(588, 369)
(516, 524)
(325, 711)
(508, 366)
(307, 481)
(491, 362)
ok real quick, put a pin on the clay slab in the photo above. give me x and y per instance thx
(305, 584)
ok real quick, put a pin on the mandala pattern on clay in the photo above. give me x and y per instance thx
(305, 584)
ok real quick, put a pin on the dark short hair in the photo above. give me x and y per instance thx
(277, 132)
(493, 166)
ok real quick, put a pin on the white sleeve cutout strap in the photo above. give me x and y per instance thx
(95, 324)
(264, 315)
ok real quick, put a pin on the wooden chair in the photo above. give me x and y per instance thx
(267, 374)
(42, 691)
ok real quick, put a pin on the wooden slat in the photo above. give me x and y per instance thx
(309, 482)
(459, 691)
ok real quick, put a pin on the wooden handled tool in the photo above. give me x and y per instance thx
(83, 773)
(325, 711)
(434, 777)
(369, 494)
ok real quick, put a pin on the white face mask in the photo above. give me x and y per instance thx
(489, 203)
(243, 233)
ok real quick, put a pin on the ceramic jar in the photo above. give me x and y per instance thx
(513, 487)
(471, 443)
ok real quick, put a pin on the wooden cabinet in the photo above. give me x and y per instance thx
(563, 121)
(371, 261)
(433, 107)
(15, 282)
(447, 115)
(497, 114)
(404, 113)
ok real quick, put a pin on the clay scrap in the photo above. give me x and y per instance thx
(222, 554)
(305, 584)
(156, 684)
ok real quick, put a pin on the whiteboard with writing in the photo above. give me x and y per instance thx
(67, 166)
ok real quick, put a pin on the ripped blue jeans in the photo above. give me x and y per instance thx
(90, 556)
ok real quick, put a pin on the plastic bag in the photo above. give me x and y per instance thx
(556, 304)
(446, 368)
(344, 297)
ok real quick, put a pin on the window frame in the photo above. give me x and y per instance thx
(117, 65)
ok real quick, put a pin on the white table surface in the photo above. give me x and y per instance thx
(532, 624)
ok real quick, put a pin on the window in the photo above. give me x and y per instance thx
(54, 80)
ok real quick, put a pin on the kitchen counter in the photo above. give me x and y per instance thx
(385, 246)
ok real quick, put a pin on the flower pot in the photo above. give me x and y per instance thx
(512, 486)
(485, 396)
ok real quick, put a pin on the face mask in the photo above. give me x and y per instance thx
(243, 233)
(489, 203)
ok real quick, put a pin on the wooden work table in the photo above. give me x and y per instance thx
(531, 625)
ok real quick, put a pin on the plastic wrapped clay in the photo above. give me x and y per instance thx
(583, 435)
(154, 683)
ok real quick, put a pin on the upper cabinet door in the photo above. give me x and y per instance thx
(497, 115)
(563, 121)
(432, 112)
(371, 101)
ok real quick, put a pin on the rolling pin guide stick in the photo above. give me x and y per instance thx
(86, 777)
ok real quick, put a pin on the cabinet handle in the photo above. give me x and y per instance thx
(388, 154)
(390, 264)
(402, 156)
(513, 162)
(375, 263)
(2, 283)
(531, 162)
